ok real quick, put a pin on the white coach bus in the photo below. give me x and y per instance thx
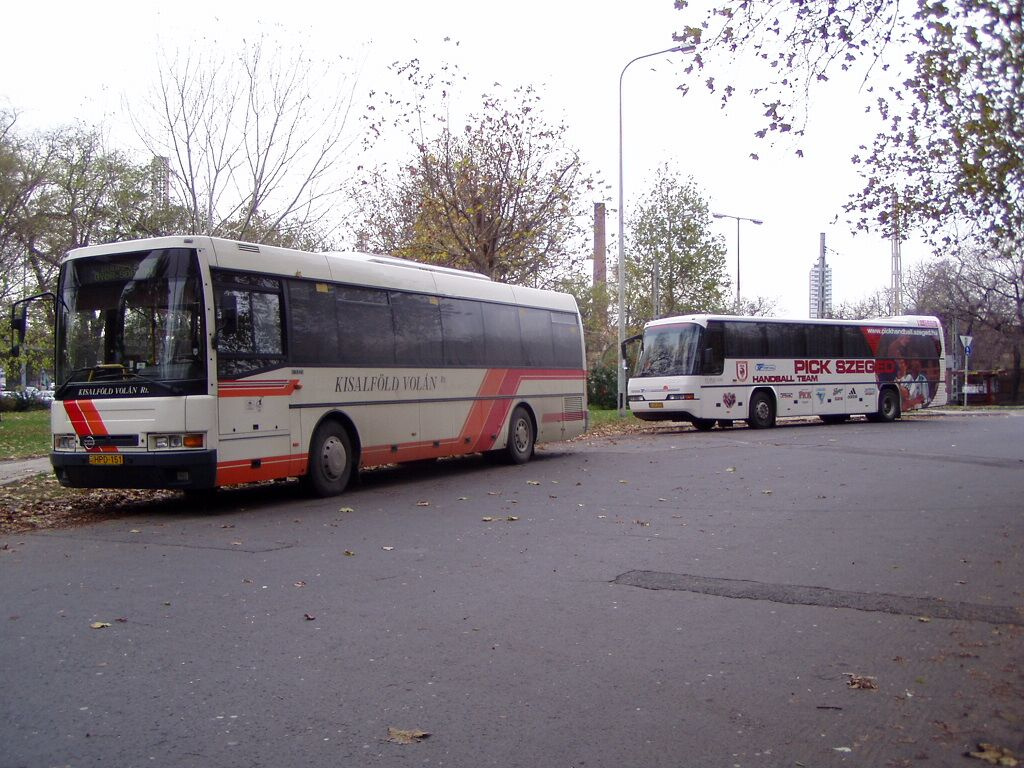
(709, 369)
(196, 362)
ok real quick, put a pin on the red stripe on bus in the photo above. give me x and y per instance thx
(257, 388)
(86, 420)
(270, 468)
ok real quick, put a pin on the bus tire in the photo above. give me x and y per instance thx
(521, 437)
(330, 460)
(702, 425)
(888, 406)
(762, 411)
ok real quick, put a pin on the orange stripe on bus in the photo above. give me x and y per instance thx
(86, 421)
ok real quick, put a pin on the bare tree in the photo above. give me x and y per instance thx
(254, 142)
(499, 194)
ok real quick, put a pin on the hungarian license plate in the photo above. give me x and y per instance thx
(106, 459)
(657, 405)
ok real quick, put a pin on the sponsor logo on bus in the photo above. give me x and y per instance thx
(765, 367)
(804, 394)
(729, 399)
(741, 370)
(853, 392)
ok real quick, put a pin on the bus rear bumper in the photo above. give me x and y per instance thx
(182, 470)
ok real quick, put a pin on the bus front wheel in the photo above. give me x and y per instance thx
(762, 411)
(521, 437)
(330, 460)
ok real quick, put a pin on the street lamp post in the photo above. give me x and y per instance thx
(622, 217)
(738, 220)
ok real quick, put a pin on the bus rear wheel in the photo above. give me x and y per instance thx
(762, 411)
(521, 437)
(330, 460)
(888, 406)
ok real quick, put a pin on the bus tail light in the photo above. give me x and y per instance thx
(65, 442)
(636, 398)
(682, 396)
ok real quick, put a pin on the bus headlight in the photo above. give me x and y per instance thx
(65, 442)
(175, 442)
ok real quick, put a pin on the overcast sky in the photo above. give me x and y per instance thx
(62, 61)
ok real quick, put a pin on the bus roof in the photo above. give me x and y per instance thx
(909, 321)
(364, 269)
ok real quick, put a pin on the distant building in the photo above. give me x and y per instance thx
(821, 289)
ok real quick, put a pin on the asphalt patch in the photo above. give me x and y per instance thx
(921, 607)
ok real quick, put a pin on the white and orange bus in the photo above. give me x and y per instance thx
(709, 369)
(196, 362)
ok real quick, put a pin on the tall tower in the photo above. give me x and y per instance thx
(820, 294)
(897, 259)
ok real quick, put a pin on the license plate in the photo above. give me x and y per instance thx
(106, 459)
(657, 405)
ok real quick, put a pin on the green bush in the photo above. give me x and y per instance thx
(603, 386)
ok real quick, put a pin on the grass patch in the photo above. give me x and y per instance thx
(24, 434)
(601, 417)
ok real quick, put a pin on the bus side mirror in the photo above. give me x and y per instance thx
(227, 315)
(19, 320)
(19, 323)
(625, 345)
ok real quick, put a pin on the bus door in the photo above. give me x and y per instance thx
(253, 394)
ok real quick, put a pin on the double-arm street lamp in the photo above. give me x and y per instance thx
(622, 228)
(738, 220)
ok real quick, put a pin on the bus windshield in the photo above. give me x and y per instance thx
(670, 350)
(131, 316)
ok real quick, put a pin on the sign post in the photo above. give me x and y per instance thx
(966, 341)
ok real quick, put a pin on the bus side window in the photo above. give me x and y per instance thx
(713, 359)
(249, 327)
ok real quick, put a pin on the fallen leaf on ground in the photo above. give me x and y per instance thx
(349, 553)
(100, 624)
(309, 617)
(862, 682)
(533, 482)
(730, 469)
(300, 583)
(387, 549)
(511, 518)
(644, 523)
(463, 498)
(994, 755)
(400, 736)
(422, 503)
(346, 509)
(487, 519)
